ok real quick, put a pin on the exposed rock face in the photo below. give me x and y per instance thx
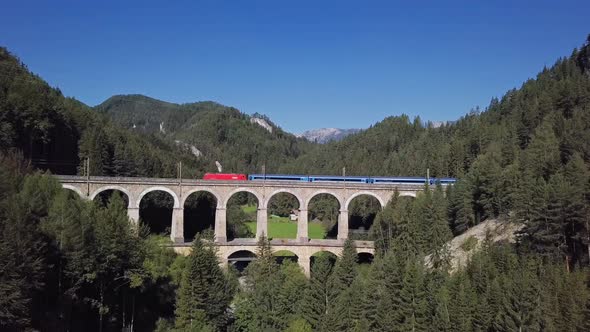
(262, 123)
(462, 247)
(196, 152)
(325, 135)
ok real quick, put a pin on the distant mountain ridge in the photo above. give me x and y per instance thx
(325, 135)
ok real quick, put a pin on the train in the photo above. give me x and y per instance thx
(328, 178)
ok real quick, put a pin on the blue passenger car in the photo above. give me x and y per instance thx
(445, 180)
(399, 179)
(334, 178)
(278, 177)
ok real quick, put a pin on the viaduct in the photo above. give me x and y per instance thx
(180, 189)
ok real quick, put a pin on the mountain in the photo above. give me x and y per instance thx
(58, 134)
(558, 98)
(325, 135)
(211, 132)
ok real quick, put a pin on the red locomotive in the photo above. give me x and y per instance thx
(225, 176)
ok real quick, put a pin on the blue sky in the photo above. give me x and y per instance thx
(305, 64)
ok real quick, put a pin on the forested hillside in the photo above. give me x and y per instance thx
(69, 264)
(214, 132)
(525, 156)
(58, 133)
(399, 145)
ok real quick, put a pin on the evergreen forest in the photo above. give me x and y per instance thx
(69, 264)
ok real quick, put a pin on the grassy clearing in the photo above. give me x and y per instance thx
(288, 230)
(249, 209)
(283, 227)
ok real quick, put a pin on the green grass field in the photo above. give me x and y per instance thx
(249, 209)
(288, 230)
(283, 227)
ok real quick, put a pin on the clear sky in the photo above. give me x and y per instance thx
(305, 64)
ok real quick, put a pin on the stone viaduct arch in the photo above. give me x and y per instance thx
(159, 188)
(381, 200)
(73, 188)
(244, 189)
(217, 196)
(303, 252)
(131, 202)
(300, 198)
(137, 188)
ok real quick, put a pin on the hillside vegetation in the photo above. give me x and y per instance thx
(218, 132)
(70, 264)
(57, 133)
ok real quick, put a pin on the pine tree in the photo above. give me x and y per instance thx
(344, 271)
(289, 299)
(373, 293)
(259, 308)
(339, 293)
(383, 229)
(542, 155)
(23, 268)
(521, 306)
(439, 232)
(204, 292)
(441, 320)
(413, 306)
(462, 303)
(315, 303)
(460, 206)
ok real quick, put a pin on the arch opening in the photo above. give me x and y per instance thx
(322, 260)
(73, 189)
(283, 212)
(103, 197)
(282, 256)
(199, 215)
(323, 212)
(365, 258)
(241, 259)
(362, 210)
(241, 212)
(155, 212)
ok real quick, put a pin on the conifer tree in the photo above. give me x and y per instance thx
(460, 206)
(344, 271)
(413, 304)
(204, 292)
(258, 310)
(521, 306)
(23, 267)
(439, 232)
(339, 293)
(315, 303)
(289, 299)
(542, 155)
(462, 303)
(441, 320)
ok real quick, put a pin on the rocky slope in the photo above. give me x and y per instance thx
(463, 246)
(325, 135)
